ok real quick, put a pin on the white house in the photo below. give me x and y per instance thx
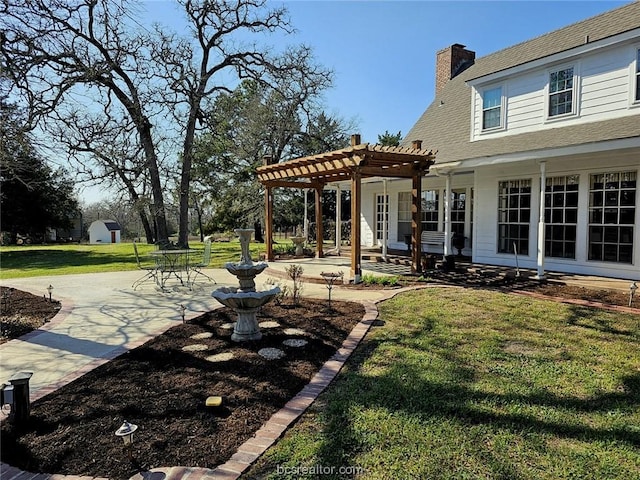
(530, 154)
(538, 152)
(104, 231)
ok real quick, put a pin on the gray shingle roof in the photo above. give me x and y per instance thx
(445, 124)
(112, 225)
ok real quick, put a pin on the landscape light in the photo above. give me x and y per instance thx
(632, 291)
(126, 433)
(50, 289)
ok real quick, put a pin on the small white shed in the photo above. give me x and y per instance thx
(104, 231)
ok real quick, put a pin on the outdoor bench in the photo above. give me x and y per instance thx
(431, 238)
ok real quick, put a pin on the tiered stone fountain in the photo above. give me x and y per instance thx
(245, 300)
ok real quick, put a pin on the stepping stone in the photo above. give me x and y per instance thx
(294, 331)
(271, 353)
(196, 347)
(220, 357)
(228, 326)
(269, 324)
(201, 336)
(295, 342)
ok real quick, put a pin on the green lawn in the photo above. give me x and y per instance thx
(38, 260)
(469, 384)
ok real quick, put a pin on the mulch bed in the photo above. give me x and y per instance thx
(162, 388)
(21, 312)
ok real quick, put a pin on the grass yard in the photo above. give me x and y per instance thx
(476, 384)
(38, 260)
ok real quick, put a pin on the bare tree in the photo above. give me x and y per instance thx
(88, 67)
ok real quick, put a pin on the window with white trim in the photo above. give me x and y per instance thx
(561, 216)
(404, 215)
(492, 108)
(429, 210)
(458, 207)
(514, 214)
(612, 211)
(382, 214)
(561, 92)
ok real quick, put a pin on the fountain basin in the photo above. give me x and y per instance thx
(235, 298)
(245, 305)
(246, 274)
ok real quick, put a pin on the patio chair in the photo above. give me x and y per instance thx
(196, 268)
(152, 271)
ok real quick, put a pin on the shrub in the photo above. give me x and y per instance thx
(295, 274)
(369, 279)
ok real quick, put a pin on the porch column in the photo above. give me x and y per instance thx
(543, 181)
(338, 218)
(416, 222)
(268, 223)
(306, 216)
(447, 215)
(356, 206)
(319, 232)
(385, 226)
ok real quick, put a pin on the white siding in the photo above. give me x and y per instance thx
(485, 234)
(602, 92)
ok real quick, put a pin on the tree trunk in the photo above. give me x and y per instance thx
(158, 210)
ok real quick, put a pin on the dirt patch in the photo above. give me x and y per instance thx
(162, 387)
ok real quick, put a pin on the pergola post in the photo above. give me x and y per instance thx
(416, 222)
(268, 212)
(319, 230)
(268, 224)
(356, 206)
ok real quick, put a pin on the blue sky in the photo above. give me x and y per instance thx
(383, 52)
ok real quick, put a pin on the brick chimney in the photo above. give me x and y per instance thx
(450, 62)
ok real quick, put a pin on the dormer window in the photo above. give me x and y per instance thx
(492, 108)
(561, 90)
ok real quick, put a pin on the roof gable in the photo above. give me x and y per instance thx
(596, 28)
(446, 126)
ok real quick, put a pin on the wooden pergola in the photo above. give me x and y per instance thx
(350, 164)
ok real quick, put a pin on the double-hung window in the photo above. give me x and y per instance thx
(561, 90)
(492, 108)
(514, 214)
(404, 215)
(430, 210)
(561, 216)
(612, 211)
